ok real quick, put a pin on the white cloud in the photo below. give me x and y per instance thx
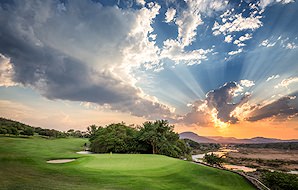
(265, 3)
(235, 52)
(238, 23)
(245, 37)
(291, 46)
(187, 26)
(240, 41)
(139, 48)
(228, 38)
(187, 22)
(170, 14)
(247, 83)
(6, 72)
(173, 50)
(266, 43)
(141, 2)
(272, 77)
(287, 82)
(59, 45)
(190, 18)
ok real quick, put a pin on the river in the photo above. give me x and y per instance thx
(222, 152)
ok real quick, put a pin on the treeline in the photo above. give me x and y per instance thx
(10, 127)
(199, 148)
(279, 145)
(152, 137)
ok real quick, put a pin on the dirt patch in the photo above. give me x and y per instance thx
(265, 154)
(60, 161)
(284, 160)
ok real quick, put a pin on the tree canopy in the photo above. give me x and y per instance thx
(155, 137)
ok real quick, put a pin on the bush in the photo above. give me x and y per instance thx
(213, 159)
(278, 180)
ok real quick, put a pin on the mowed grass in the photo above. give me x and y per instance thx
(23, 166)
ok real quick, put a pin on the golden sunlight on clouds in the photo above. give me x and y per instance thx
(222, 126)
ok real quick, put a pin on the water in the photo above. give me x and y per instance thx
(222, 153)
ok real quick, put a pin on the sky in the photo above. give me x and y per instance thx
(217, 68)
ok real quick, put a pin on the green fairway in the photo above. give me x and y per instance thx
(23, 166)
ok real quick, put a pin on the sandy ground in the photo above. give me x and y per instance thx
(84, 152)
(60, 161)
(265, 158)
(265, 154)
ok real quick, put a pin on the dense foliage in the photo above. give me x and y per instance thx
(281, 145)
(213, 159)
(153, 137)
(10, 127)
(278, 180)
(198, 148)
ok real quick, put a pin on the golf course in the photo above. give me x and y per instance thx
(23, 163)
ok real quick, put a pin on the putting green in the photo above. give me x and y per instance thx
(23, 166)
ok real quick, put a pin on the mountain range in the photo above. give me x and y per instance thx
(230, 140)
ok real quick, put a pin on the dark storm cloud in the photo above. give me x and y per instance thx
(197, 115)
(50, 46)
(279, 110)
(222, 100)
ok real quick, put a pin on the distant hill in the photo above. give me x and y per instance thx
(255, 140)
(196, 138)
(230, 140)
(11, 127)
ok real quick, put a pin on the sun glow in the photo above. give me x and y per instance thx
(217, 122)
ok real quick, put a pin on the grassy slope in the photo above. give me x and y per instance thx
(23, 166)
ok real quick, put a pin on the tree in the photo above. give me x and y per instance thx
(29, 131)
(153, 137)
(161, 137)
(3, 130)
(213, 159)
(117, 138)
(14, 131)
(92, 131)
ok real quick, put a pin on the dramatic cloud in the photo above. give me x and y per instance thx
(278, 110)
(218, 105)
(286, 82)
(6, 72)
(64, 54)
(230, 104)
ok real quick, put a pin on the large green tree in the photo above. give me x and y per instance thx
(117, 138)
(156, 137)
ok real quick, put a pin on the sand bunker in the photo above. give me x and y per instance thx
(60, 161)
(84, 152)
